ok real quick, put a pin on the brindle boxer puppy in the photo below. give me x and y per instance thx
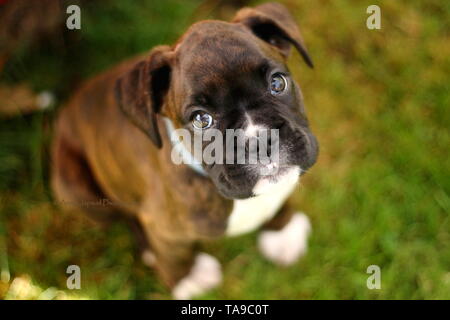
(112, 142)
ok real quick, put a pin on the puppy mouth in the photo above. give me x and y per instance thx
(285, 177)
(247, 184)
(228, 185)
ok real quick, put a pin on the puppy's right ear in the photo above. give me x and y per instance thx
(140, 92)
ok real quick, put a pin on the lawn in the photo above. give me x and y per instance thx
(377, 100)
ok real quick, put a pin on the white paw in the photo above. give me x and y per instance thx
(206, 274)
(285, 246)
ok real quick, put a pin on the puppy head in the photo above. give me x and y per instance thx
(225, 76)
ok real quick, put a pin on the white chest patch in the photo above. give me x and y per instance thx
(249, 214)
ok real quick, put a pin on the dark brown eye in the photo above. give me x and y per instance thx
(201, 120)
(278, 84)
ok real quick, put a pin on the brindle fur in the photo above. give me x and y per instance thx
(98, 153)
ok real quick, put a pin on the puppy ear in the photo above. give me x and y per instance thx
(140, 92)
(273, 23)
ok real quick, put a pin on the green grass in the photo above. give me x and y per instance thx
(377, 100)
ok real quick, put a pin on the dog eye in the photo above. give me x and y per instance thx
(278, 84)
(201, 120)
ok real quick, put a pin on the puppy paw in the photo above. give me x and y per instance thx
(285, 246)
(205, 275)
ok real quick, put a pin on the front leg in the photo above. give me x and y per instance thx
(187, 272)
(285, 238)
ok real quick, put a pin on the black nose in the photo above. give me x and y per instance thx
(265, 144)
(261, 145)
(273, 138)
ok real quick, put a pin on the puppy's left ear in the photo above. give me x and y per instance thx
(141, 92)
(273, 23)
